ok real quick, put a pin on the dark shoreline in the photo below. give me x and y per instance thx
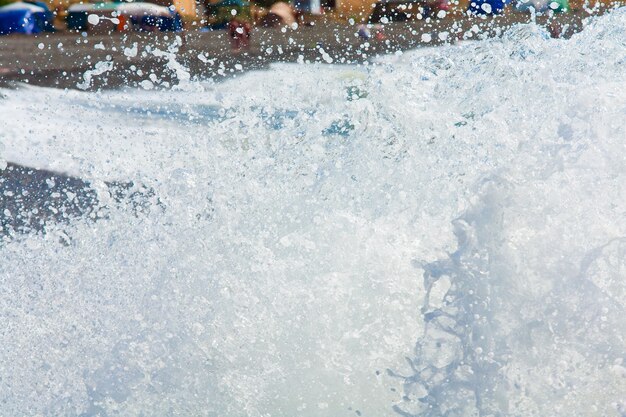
(62, 59)
(35, 198)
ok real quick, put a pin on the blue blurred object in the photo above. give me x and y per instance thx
(26, 18)
(484, 7)
(162, 23)
(48, 15)
(140, 16)
(308, 6)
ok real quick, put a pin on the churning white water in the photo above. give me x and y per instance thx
(440, 234)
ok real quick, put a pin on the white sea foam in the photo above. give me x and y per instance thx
(304, 215)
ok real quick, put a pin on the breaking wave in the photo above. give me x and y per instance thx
(441, 233)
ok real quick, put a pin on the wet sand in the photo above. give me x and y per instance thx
(95, 61)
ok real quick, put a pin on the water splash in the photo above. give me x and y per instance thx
(497, 342)
(275, 277)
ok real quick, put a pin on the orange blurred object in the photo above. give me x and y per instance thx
(122, 24)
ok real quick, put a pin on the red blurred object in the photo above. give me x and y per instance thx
(239, 34)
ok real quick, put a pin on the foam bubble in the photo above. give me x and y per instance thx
(93, 19)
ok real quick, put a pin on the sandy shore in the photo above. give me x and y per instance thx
(94, 61)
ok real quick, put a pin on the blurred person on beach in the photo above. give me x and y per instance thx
(433, 7)
(239, 32)
(371, 31)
